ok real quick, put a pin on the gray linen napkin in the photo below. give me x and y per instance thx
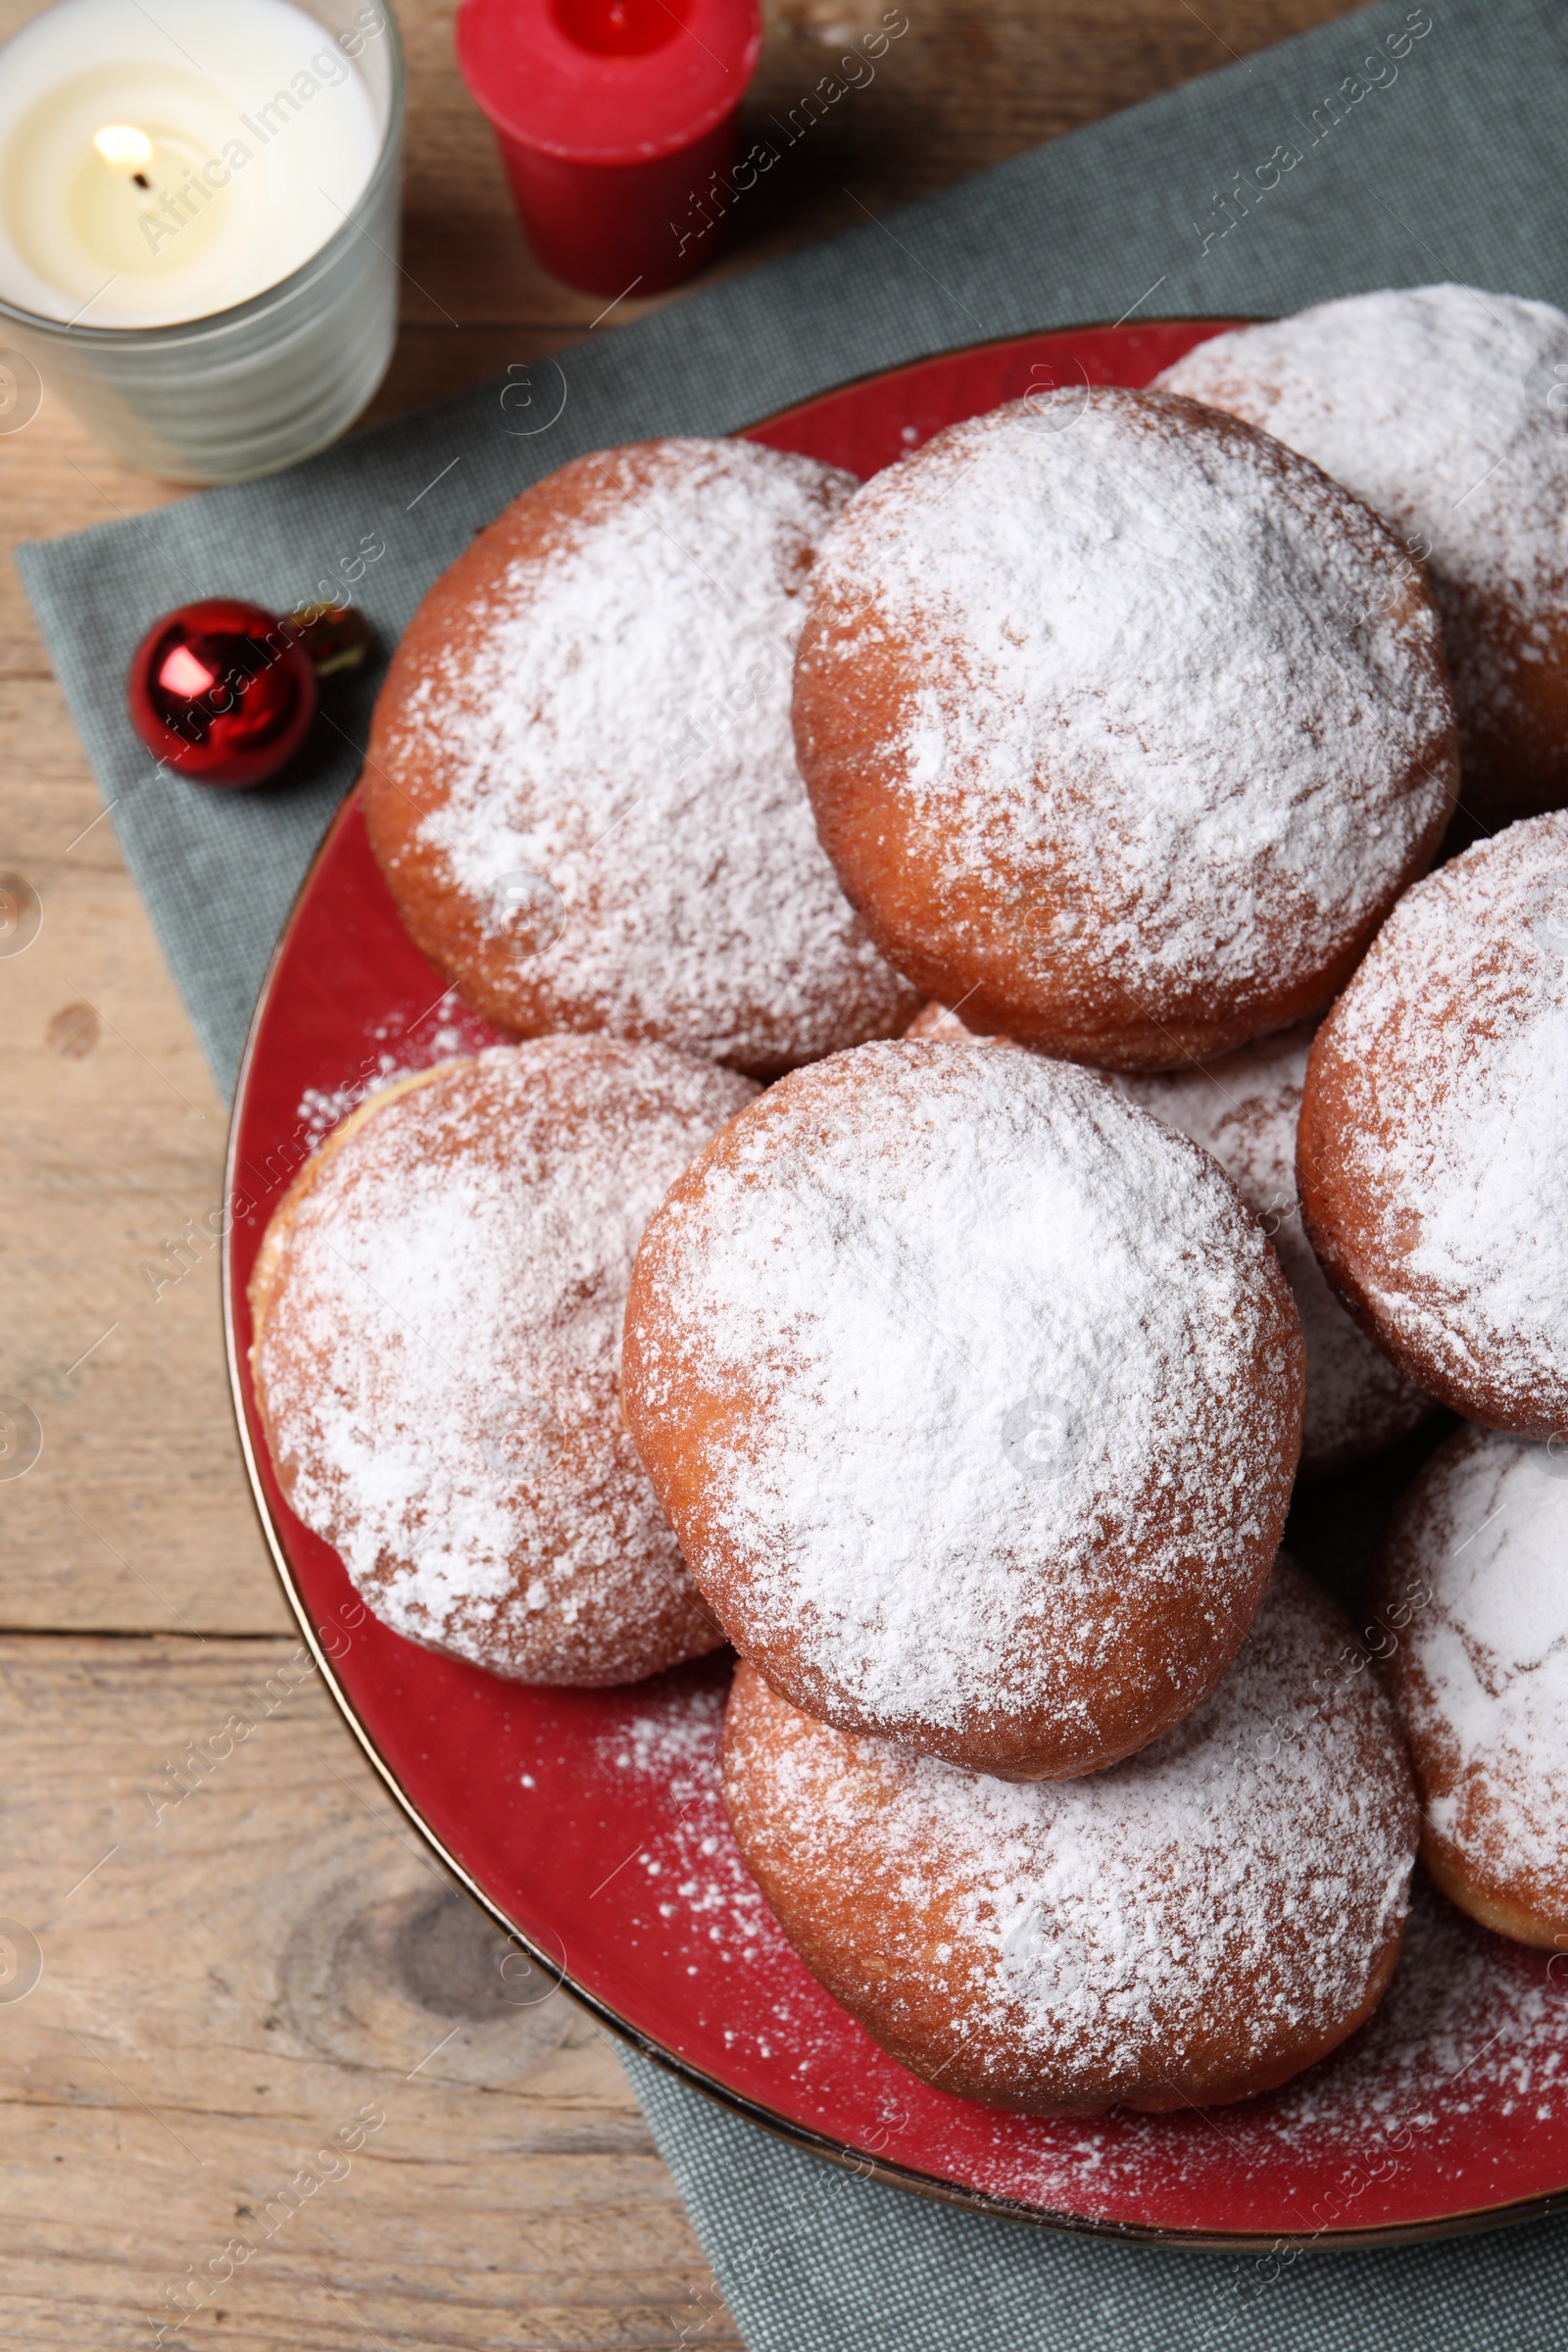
(1427, 144)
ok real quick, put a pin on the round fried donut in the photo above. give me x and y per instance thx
(1242, 1107)
(1124, 736)
(975, 1396)
(1191, 1927)
(437, 1308)
(1433, 1148)
(580, 783)
(1468, 1610)
(1446, 410)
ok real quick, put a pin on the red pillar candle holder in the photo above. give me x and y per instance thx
(612, 115)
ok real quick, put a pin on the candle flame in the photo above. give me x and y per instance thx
(123, 148)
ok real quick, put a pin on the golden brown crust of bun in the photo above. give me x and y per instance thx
(1467, 1612)
(1442, 407)
(437, 1305)
(1431, 1149)
(595, 697)
(1504, 1915)
(1514, 758)
(988, 779)
(1235, 1895)
(849, 1368)
(263, 1284)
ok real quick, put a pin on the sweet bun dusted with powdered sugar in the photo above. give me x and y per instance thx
(1468, 1613)
(581, 783)
(975, 1396)
(1433, 1147)
(1243, 1108)
(1446, 410)
(1192, 1926)
(437, 1312)
(1123, 725)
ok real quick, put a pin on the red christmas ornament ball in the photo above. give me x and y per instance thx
(223, 691)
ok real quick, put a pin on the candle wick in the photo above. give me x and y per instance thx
(142, 180)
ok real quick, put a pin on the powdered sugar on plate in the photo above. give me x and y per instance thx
(973, 1363)
(1466, 2058)
(1175, 695)
(320, 1107)
(613, 728)
(1444, 1081)
(697, 1887)
(394, 1049)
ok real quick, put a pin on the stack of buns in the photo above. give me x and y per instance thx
(1000, 1097)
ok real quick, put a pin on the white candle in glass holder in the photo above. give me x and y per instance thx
(162, 167)
(199, 224)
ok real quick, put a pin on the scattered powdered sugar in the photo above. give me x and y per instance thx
(320, 1107)
(1206, 1909)
(1466, 2057)
(695, 1876)
(438, 1356)
(1447, 1061)
(1174, 695)
(617, 723)
(976, 1360)
(1447, 408)
(1472, 2027)
(1244, 1108)
(1482, 1674)
(676, 1743)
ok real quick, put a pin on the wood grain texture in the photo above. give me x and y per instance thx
(229, 1982)
(245, 1963)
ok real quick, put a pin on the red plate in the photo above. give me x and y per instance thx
(590, 1823)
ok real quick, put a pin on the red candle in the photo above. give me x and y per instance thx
(611, 117)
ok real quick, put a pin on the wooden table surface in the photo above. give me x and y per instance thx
(233, 1981)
